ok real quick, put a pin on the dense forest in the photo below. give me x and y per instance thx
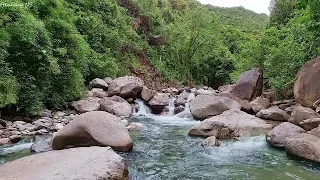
(51, 49)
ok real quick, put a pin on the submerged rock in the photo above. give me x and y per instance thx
(89, 163)
(210, 142)
(230, 124)
(304, 145)
(135, 126)
(277, 136)
(273, 113)
(126, 87)
(92, 129)
(205, 106)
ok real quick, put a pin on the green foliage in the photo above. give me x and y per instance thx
(282, 12)
(241, 18)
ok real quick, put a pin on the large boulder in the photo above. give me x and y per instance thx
(231, 124)
(87, 163)
(159, 102)
(259, 104)
(273, 113)
(300, 113)
(147, 94)
(87, 105)
(310, 124)
(98, 83)
(278, 135)
(125, 87)
(205, 106)
(304, 145)
(92, 129)
(116, 106)
(249, 86)
(307, 84)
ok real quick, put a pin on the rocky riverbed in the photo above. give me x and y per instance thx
(175, 133)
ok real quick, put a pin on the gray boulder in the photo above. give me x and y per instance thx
(86, 163)
(116, 106)
(92, 129)
(276, 137)
(126, 87)
(99, 83)
(205, 106)
(147, 94)
(259, 104)
(304, 145)
(159, 102)
(87, 105)
(300, 113)
(230, 124)
(273, 113)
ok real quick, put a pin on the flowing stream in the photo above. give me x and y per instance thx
(164, 151)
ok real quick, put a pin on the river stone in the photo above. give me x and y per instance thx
(86, 163)
(159, 102)
(205, 92)
(210, 142)
(4, 141)
(116, 106)
(135, 126)
(304, 145)
(315, 131)
(300, 113)
(94, 128)
(99, 83)
(126, 87)
(249, 86)
(205, 106)
(172, 91)
(231, 124)
(309, 124)
(182, 98)
(97, 92)
(307, 84)
(87, 105)
(259, 104)
(108, 80)
(147, 94)
(273, 113)
(277, 136)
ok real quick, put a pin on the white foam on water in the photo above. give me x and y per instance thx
(144, 110)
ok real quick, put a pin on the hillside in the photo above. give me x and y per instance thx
(244, 19)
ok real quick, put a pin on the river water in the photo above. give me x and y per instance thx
(164, 151)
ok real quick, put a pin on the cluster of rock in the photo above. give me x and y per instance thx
(300, 134)
(48, 123)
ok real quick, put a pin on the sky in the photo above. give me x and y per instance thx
(259, 6)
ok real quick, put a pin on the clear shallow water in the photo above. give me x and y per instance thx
(163, 150)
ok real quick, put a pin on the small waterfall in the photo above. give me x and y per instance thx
(186, 113)
(143, 110)
(171, 107)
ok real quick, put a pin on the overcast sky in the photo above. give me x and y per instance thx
(259, 6)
